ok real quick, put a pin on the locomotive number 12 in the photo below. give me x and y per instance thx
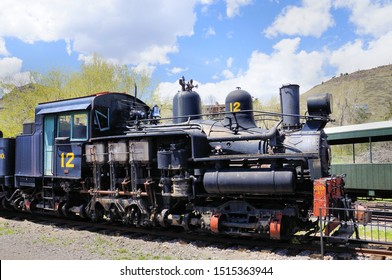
(67, 159)
(235, 106)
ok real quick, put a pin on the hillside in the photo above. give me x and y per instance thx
(359, 97)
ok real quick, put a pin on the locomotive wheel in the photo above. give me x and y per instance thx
(113, 214)
(66, 212)
(96, 215)
(132, 216)
(1, 202)
(216, 222)
(5, 204)
(31, 205)
(18, 203)
(162, 218)
(83, 212)
(60, 208)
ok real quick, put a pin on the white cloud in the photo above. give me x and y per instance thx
(130, 32)
(311, 19)
(10, 66)
(176, 70)
(212, 61)
(207, 2)
(210, 31)
(361, 55)
(230, 35)
(144, 69)
(205, 5)
(3, 49)
(18, 79)
(69, 46)
(157, 54)
(233, 7)
(370, 17)
(227, 74)
(10, 72)
(229, 62)
(286, 64)
(265, 73)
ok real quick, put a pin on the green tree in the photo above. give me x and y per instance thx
(263, 117)
(165, 104)
(94, 76)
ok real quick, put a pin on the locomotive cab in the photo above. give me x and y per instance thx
(63, 127)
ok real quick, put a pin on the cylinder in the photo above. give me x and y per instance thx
(173, 159)
(181, 186)
(95, 153)
(118, 152)
(249, 181)
(289, 100)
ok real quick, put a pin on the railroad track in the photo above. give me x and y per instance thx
(292, 248)
(381, 211)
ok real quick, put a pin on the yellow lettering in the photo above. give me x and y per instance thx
(235, 106)
(67, 164)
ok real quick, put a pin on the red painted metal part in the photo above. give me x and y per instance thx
(27, 205)
(275, 226)
(214, 223)
(326, 191)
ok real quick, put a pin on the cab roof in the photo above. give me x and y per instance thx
(75, 104)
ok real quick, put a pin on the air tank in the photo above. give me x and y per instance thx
(186, 103)
(249, 181)
(239, 108)
(289, 100)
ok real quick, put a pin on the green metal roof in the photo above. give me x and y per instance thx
(360, 133)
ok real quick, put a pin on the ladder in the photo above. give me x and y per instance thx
(48, 198)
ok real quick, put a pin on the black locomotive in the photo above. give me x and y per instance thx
(109, 156)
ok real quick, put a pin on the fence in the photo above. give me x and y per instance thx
(342, 225)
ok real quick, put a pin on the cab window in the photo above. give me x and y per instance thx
(102, 118)
(64, 126)
(79, 126)
(73, 125)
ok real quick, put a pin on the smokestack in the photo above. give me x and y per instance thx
(289, 100)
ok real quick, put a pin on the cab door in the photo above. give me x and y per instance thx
(49, 144)
(72, 132)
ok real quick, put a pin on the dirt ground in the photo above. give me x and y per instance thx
(25, 240)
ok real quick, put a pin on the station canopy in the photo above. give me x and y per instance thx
(360, 133)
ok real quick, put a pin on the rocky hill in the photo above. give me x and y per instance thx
(359, 97)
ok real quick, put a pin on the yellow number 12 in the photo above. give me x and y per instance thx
(235, 107)
(70, 157)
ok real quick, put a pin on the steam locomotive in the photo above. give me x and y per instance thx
(109, 156)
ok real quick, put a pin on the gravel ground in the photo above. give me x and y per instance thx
(25, 240)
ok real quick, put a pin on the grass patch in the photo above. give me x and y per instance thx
(124, 254)
(375, 234)
(49, 239)
(6, 230)
(100, 241)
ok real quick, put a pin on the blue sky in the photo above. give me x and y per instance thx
(221, 44)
